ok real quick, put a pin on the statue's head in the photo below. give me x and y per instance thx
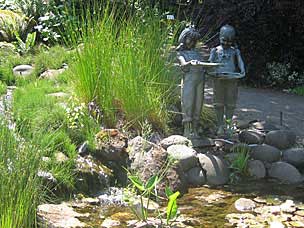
(188, 38)
(227, 36)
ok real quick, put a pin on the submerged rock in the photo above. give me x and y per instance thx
(265, 153)
(244, 204)
(108, 223)
(281, 139)
(217, 172)
(59, 216)
(285, 172)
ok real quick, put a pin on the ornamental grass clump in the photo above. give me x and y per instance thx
(20, 188)
(122, 66)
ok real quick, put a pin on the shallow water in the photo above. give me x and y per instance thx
(208, 205)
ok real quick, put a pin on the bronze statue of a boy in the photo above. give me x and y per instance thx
(192, 94)
(226, 75)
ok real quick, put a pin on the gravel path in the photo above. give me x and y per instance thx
(265, 104)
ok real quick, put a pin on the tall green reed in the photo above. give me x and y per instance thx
(122, 66)
(20, 188)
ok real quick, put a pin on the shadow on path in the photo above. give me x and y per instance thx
(265, 104)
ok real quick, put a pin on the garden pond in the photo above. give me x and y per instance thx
(215, 207)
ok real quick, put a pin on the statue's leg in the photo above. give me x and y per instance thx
(230, 98)
(218, 101)
(199, 95)
(187, 101)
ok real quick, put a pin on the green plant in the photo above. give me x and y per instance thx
(20, 187)
(25, 47)
(51, 58)
(240, 161)
(43, 122)
(298, 90)
(282, 76)
(172, 207)
(122, 66)
(145, 190)
(3, 88)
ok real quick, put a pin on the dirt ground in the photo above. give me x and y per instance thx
(267, 105)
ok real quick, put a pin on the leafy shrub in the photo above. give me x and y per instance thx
(282, 76)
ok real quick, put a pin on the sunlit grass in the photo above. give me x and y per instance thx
(122, 66)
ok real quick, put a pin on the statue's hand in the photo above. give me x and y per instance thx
(194, 62)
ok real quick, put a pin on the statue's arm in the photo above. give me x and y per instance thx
(183, 61)
(240, 62)
(212, 56)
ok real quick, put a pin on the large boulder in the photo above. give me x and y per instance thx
(256, 169)
(265, 153)
(91, 175)
(175, 140)
(184, 155)
(217, 172)
(294, 156)
(281, 139)
(285, 172)
(148, 159)
(111, 145)
(251, 137)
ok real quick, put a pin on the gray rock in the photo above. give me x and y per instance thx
(149, 163)
(196, 177)
(285, 172)
(256, 169)
(244, 204)
(91, 175)
(265, 153)
(111, 145)
(138, 145)
(217, 172)
(23, 70)
(175, 140)
(184, 155)
(51, 74)
(281, 139)
(251, 137)
(59, 216)
(46, 176)
(294, 156)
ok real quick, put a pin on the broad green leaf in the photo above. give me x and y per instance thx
(168, 191)
(172, 206)
(151, 182)
(137, 182)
